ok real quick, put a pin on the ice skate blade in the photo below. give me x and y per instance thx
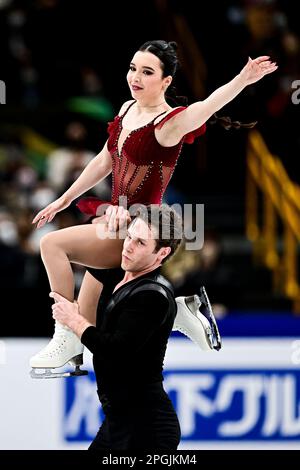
(48, 374)
(76, 360)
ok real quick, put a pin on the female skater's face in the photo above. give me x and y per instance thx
(139, 249)
(145, 76)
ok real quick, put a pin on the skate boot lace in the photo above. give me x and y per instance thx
(58, 342)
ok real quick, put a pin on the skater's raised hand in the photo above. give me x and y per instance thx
(257, 68)
(48, 213)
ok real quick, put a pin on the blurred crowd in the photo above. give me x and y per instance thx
(252, 28)
(43, 55)
(25, 191)
(47, 55)
(271, 28)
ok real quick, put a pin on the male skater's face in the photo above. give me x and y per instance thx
(139, 249)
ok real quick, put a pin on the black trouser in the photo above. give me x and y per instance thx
(148, 422)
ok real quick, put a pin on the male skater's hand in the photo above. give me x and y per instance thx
(67, 313)
(116, 217)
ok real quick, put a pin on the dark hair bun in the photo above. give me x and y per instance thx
(173, 44)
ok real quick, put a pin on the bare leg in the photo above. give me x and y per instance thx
(82, 245)
(88, 297)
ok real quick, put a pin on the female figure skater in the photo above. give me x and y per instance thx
(141, 152)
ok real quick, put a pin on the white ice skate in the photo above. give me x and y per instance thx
(196, 320)
(65, 347)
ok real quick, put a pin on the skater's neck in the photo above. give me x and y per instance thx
(130, 275)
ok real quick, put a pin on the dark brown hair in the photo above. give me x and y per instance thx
(168, 223)
(167, 54)
(227, 123)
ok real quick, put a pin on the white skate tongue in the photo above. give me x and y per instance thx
(60, 333)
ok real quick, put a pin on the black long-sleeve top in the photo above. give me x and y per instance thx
(130, 340)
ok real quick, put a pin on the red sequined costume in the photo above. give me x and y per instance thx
(143, 168)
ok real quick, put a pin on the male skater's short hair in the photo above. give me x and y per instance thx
(168, 224)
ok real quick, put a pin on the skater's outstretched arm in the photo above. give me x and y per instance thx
(95, 171)
(198, 113)
(98, 168)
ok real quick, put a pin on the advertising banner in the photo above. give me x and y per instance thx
(246, 396)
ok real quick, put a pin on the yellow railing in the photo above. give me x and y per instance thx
(273, 217)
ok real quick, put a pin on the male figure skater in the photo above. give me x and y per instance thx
(130, 339)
